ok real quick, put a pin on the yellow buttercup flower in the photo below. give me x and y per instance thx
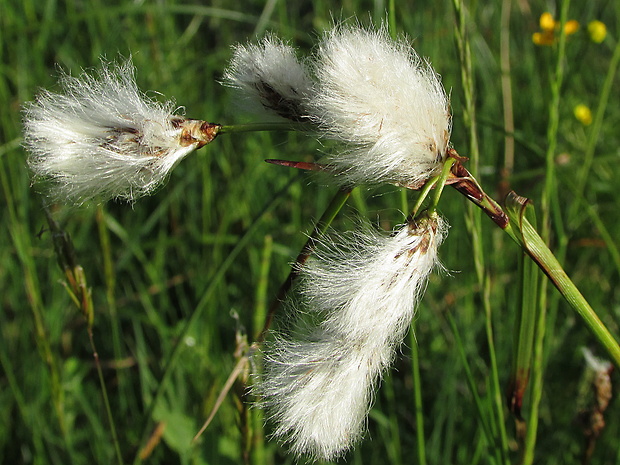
(583, 114)
(549, 26)
(547, 23)
(571, 27)
(597, 31)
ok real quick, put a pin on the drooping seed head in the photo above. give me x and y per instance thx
(363, 288)
(101, 138)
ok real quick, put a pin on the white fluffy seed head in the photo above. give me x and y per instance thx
(318, 391)
(101, 138)
(270, 77)
(383, 100)
(366, 284)
(364, 287)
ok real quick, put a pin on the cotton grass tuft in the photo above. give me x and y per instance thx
(101, 138)
(363, 289)
(385, 103)
(270, 77)
(360, 87)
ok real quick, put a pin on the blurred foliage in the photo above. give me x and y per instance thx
(150, 264)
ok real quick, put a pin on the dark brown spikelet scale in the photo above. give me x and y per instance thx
(423, 228)
(416, 230)
(129, 140)
(118, 136)
(277, 103)
(177, 121)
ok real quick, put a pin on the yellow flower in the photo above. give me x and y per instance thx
(583, 114)
(571, 27)
(547, 23)
(543, 38)
(549, 27)
(597, 31)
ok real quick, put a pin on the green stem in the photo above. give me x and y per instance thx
(525, 331)
(423, 194)
(273, 126)
(548, 263)
(473, 221)
(550, 189)
(417, 398)
(110, 285)
(438, 182)
(441, 183)
(467, 79)
(496, 392)
(392, 18)
(472, 383)
(537, 371)
(106, 401)
(330, 213)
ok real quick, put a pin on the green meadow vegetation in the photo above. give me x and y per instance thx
(179, 283)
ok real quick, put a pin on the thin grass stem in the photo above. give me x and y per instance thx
(106, 401)
(110, 285)
(509, 128)
(441, 183)
(471, 382)
(473, 222)
(417, 398)
(392, 439)
(550, 208)
(330, 213)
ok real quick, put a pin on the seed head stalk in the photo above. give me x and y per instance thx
(268, 126)
(514, 223)
(440, 184)
(321, 227)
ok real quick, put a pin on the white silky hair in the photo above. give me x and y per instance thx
(385, 102)
(359, 87)
(318, 392)
(594, 363)
(101, 138)
(270, 77)
(363, 288)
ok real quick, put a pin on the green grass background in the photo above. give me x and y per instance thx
(150, 265)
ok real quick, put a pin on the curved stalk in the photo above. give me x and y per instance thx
(523, 233)
(269, 126)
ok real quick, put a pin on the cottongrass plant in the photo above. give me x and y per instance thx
(101, 138)
(389, 108)
(374, 94)
(363, 289)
